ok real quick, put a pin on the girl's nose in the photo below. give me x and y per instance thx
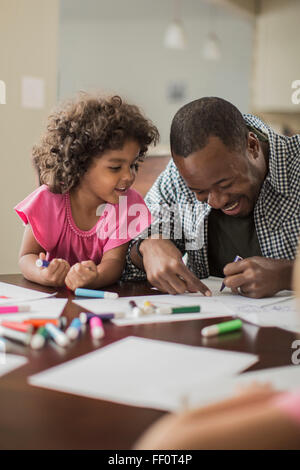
(128, 177)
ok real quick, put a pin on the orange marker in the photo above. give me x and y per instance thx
(38, 322)
(18, 326)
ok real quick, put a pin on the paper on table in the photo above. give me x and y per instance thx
(220, 304)
(16, 294)
(45, 308)
(143, 372)
(208, 309)
(281, 378)
(234, 300)
(283, 315)
(9, 362)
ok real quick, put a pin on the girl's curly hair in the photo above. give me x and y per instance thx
(83, 129)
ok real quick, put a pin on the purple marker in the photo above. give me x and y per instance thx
(237, 258)
(86, 316)
(42, 263)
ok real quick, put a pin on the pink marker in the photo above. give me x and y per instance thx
(14, 308)
(97, 330)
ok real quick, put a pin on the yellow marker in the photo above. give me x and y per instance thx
(149, 308)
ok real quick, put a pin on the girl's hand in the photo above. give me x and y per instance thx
(81, 275)
(55, 274)
(256, 389)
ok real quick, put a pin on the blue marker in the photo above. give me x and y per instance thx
(57, 335)
(42, 263)
(74, 329)
(96, 293)
(237, 258)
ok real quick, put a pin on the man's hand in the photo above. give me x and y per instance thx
(165, 269)
(54, 275)
(81, 275)
(259, 277)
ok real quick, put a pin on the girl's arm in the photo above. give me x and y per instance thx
(244, 422)
(87, 274)
(112, 265)
(30, 251)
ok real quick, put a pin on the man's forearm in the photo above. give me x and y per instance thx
(137, 258)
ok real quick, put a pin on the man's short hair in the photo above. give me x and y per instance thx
(195, 122)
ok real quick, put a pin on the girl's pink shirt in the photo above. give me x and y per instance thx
(52, 224)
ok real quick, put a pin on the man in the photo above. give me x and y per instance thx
(233, 185)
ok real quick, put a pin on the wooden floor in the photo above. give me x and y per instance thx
(148, 172)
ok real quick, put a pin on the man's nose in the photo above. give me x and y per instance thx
(217, 200)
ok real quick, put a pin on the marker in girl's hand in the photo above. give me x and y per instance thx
(237, 258)
(42, 263)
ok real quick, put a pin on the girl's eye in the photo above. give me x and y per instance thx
(114, 168)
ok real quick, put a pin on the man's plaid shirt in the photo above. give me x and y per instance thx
(276, 213)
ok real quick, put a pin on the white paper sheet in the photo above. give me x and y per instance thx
(220, 304)
(16, 294)
(233, 300)
(45, 308)
(281, 379)
(9, 362)
(143, 372)
(283, 315)
(209, 309)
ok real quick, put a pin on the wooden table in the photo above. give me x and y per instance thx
(33, 418)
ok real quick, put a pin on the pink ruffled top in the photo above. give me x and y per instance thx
(52, 224)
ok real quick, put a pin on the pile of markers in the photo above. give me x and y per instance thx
(35, 332)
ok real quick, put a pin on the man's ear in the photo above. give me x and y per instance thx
(253, 145)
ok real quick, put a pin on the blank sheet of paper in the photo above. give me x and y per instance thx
(143, 372)
(9, 362)
(45, 308)
(10, 294)
(281, 379)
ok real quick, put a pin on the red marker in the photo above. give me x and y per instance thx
(18, 326)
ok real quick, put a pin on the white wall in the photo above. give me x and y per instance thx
(28, 47)
(277, 62)
(116, 46)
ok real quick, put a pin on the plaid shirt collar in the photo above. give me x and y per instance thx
(277, 156)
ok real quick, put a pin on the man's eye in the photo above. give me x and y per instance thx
(226, 186)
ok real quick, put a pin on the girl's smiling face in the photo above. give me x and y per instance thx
(111, 174)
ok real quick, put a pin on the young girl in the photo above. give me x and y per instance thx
(83, 216)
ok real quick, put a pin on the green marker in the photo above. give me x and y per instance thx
(221, 328)
(167, 310)
(39, 338)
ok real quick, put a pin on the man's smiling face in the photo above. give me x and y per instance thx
(229, 180)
